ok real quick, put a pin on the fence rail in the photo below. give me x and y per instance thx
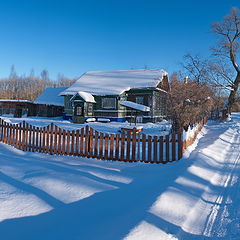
(87, 142)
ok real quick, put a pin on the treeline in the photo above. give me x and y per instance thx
(31, 86)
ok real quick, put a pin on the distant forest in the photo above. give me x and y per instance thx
(31, 86)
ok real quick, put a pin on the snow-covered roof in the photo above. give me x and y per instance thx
(85, 96)
(115, 82)
(15, 100)
(135, 106)
(50, 96)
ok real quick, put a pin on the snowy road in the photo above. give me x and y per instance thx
(59, 197)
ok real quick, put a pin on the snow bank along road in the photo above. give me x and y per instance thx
(60, 197)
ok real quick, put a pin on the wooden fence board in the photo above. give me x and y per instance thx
(173, 147)
(143, 148)
(149, 149)
(111, 146)
(117, 147)
(155, 149)
(161, 149)
(77, 143)
(134, 145)
(106, 146)
(167, 148)
(95, 154)
(122, 146)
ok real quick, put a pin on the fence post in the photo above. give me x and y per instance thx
(180, 144)
(167, 148)
(134, 144)
(173, 146)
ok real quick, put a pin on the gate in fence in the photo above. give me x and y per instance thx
(87, 142)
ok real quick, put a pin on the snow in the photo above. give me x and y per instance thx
(135, 106)
(158, 129)
(65, 197)
(115, 82)
(87, 97)
(50, 96)
(15, 100)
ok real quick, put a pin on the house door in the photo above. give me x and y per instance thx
(18, 112)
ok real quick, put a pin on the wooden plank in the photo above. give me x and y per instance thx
(161, 149)
(33, 138)
(26, 144)
(17, 136)
(155, 149)
(43, 139)
(101, 146)
(77, 143)
(149, 149)
(72, 142)
(180, 152)
(1, 126)
(134, 145)
(4, 131)
(68, 142)
(90, 141)
(81, 142)
(95, 155)
(20, 136)
(143, 148)
(30, 138)
(111, 146)
(86, 141)
(47, 139)
(10, 134)
(122, 147)
(116, 157)
(55, 139)
(41, 130)
(173, 147)
(37, 139)
(59, 143)
(138, 147)
(106, 146)
(128, 146)
(64, 142)
(51, 138)
(167, 148)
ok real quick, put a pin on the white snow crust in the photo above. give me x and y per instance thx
(135, 106)
(50, 96)
(115, 82)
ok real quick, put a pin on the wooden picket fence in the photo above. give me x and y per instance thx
(87, 142)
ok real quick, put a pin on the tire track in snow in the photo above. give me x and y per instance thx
(219, 218)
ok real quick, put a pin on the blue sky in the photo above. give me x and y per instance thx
(72, 37)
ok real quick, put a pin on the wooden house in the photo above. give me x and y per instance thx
(98, 94)
(17, 108)
(49, 103)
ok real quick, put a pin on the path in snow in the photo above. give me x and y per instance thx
(60, 197)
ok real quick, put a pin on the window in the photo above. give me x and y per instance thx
(139, 100)
(90, 109)
(109, 103)
(78, 111)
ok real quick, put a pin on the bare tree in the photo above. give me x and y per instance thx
(190, 101)
(195, 67)
(227, 48)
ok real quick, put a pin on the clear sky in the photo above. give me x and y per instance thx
(75, 36)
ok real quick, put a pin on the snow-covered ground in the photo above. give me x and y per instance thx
(158, 129)
(63, 197)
